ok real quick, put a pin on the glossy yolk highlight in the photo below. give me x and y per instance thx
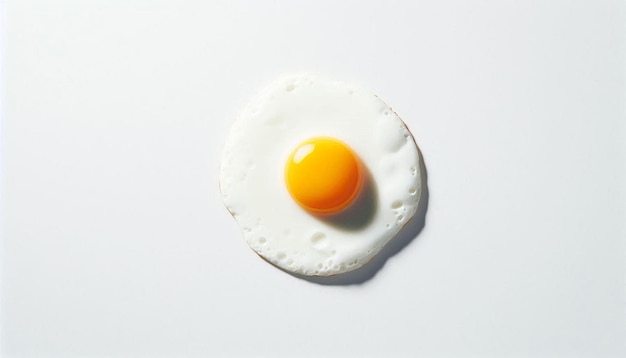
(323, 175)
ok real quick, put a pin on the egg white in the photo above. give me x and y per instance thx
(296, 108)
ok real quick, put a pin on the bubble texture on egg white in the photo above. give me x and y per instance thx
(294, 109)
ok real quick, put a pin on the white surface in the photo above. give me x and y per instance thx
(116, 243)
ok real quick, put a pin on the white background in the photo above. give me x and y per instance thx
(116, 243)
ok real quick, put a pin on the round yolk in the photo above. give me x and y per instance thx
(323, 175)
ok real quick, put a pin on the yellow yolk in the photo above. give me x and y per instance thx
(323, 175)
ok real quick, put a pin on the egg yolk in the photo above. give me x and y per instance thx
(323, 175)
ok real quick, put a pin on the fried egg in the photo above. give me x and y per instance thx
(319, 174)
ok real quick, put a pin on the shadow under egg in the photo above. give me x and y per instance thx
(360, 214)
